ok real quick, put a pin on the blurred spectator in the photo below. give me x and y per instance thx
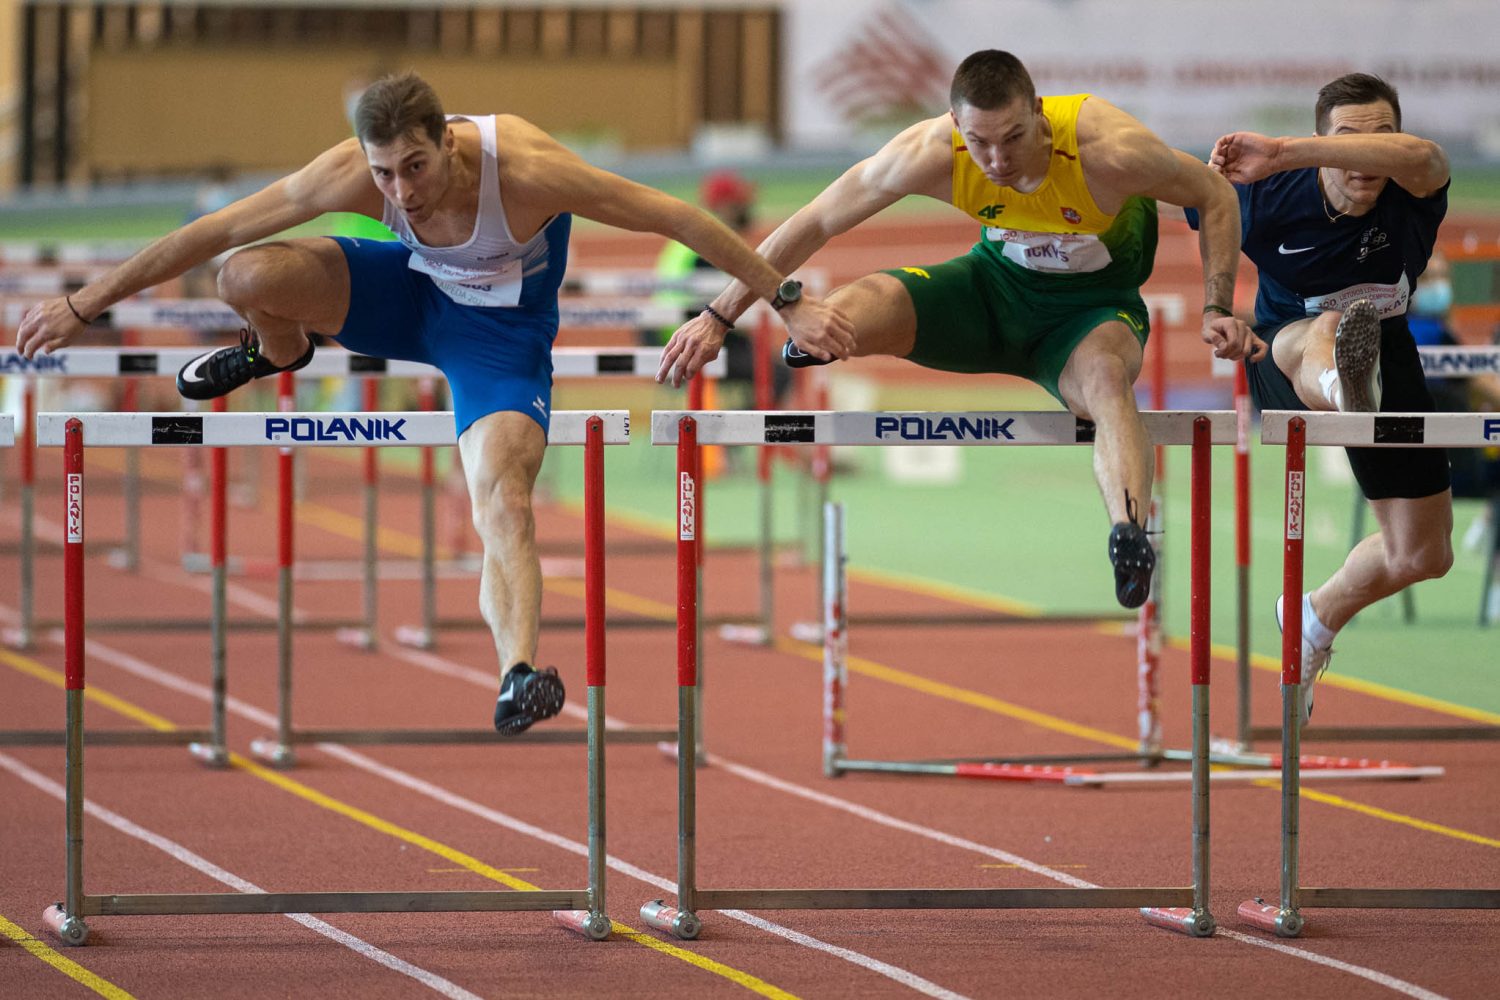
(731, 199)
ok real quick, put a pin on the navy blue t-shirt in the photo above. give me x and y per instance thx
(1309, 265)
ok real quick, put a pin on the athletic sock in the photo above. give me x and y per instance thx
(1329, 383)
(1312, 626)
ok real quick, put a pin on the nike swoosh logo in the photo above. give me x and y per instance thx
(190, 371)
(1283, 249)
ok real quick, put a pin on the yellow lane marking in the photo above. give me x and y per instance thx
(62, 963)
(1392, 817)
(643, 606)
(336, 522)
(938, 689)
(947, 591)
(464, 861)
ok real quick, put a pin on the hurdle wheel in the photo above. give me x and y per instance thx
(70, 930)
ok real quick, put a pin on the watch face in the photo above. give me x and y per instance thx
(790, 291)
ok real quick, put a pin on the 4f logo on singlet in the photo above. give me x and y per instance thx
(990, 212)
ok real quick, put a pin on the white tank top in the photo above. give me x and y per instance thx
(490, 267)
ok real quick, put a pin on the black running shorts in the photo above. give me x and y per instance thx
(1382, 473)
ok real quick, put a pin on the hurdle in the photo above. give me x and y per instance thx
(1463, 361)
(1183, 909)
(581, 909)
(1363, 430)
(135, 363)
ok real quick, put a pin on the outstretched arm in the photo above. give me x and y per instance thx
(1131, 160)
(918, 161)
(337, 181)
(1418, 165)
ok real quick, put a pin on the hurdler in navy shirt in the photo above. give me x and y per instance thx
(1311, 260)
(1309, 264)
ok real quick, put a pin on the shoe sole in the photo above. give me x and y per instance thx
(541, 699)
(200, 389)
(800, 359)
(1356, 357)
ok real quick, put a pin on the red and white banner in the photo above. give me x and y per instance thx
(859, 70)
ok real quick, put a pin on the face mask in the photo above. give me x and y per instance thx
(1434, 297)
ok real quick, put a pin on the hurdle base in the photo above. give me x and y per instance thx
(275, 753)
(358, 638)
(17, 638)
(670, 920)
(594, 926)
(1180, 919)
(122, 559)
(70, 930)
(415, 637)
(209, 754)
(1270, 917)
(745, 635)
(807, 632)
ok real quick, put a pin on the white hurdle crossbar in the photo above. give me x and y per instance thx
(1297, 430)
(1184, 909)
(211, 315)
(141, 362)
(581, 909)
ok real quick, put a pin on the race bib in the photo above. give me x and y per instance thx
(1075, 253)
(1389, 300)
(500, 286)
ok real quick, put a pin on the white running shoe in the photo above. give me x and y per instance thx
(1356, 358)
(1314, 663)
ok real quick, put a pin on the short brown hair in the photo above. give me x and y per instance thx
(1354, 88)
(396, 106)
(991, 79)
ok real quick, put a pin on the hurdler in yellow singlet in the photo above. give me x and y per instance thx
(1058, 228)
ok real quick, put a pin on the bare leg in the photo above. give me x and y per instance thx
(1414, 543)
(1096, 383)
(286, 291)
(885, 321)
(1304, 352)
(502, 454)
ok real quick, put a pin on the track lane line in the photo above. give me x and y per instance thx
(40, 950)
(202, 865)
(146, 671)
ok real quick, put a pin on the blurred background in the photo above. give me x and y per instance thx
(119, 120)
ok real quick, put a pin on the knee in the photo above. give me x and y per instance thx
(502, 511)
(1102, 375)
(242, 274)
(1427, 561)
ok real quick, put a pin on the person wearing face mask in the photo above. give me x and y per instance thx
(1341, 225)
(482, 206)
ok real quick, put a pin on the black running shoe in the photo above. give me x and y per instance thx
(796, 357)
(527, 696)
(225, 369)
(1133, 557)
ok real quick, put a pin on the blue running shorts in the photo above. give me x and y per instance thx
(495, 359)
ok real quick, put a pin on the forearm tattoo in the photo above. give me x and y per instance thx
(1218, 289)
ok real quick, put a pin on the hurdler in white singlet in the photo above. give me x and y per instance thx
(490, 268)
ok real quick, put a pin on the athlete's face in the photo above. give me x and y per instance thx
(1003, 142)
(1348, 189)
(412, 172)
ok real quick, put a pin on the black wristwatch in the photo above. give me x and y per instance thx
(787, 292)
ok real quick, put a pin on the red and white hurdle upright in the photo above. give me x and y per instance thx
(581, 909)
(1359, 430)
(1180, 908)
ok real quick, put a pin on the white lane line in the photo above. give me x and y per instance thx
(201, 864)
(134, 665)
(438, 664)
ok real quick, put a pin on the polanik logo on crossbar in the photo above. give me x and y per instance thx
(335, 429)
(944, 428)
